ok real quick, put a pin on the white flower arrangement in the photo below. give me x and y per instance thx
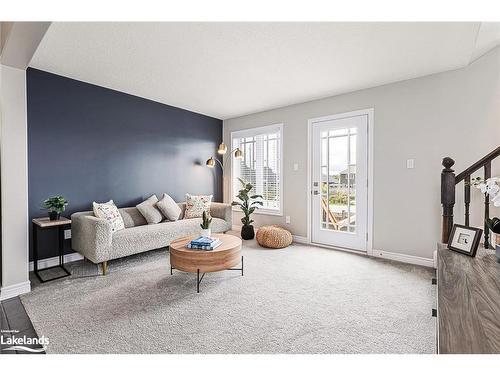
(491, 186)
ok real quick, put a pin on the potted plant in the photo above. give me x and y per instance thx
(248, 205)
(205, 225)
(55, 205)
(491, 188)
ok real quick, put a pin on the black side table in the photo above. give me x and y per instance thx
(44, 223)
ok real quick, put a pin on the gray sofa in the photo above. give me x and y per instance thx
(93, 238)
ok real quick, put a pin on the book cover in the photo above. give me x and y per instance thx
(210, 246)
(203, 240)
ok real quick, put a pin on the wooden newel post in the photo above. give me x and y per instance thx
(447, 197)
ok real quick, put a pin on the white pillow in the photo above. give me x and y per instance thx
(196, 204)
(149, 211)
(109, 212)
(169, 208)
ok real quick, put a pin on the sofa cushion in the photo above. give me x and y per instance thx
(149, 211)
(132, 217)
(148, 237)
(109, 212)
(182, 206)
(169, 208)
(196, 204)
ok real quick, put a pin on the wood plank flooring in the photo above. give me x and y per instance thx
(468, 302)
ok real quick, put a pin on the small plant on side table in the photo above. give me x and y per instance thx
(206, 221)
(55, 205)
(248, 205)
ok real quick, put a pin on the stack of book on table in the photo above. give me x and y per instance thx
(204, 243)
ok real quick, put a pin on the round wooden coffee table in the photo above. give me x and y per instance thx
(224, 257)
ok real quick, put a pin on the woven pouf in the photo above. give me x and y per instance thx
(274, 237)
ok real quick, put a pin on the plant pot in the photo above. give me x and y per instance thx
(53, 215)
(247, 232)
(206, 232)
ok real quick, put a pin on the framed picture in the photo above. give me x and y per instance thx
(464, 239)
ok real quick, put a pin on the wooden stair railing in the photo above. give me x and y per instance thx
(448, 183)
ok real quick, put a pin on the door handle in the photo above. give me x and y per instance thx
(315, 192)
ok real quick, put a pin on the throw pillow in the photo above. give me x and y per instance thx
(109, 212)
(196, 204)
(169, 208)
(149, 211)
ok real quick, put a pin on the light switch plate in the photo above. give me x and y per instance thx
(410, 163)
(295, 166)
(287, 219)
(67, 234)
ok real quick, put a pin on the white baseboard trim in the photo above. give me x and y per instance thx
(54, 261)
(412, 259)
(15, 290)
(306, 241)
(300, 239)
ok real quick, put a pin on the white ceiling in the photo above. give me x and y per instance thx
(230, 69)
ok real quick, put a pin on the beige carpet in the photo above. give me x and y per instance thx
(302, 299)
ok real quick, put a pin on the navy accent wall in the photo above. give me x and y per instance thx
(89, 143)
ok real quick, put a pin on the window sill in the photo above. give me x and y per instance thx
(262, 211)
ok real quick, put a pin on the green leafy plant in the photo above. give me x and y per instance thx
(248, 203)
(205, 221)
(56, 203)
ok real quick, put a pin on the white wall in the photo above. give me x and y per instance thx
(19, 41)
(456, 113)
(13, 138)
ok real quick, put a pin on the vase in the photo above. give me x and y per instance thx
(54, 215)
(206, 232)
(247, 232)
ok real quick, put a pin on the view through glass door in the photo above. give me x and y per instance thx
(339, 181)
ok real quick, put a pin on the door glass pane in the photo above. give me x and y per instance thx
(338, 132)
(338, 180)
(352, 197)
(352, 149)
(338, 156)
(324, 152)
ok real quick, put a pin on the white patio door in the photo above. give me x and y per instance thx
(339, 181)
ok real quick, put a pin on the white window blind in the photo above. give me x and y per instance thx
(261, 164)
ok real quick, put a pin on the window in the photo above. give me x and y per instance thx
(261, 164)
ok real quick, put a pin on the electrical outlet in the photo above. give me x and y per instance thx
(410, 163)
(67, 234)
(287, 219)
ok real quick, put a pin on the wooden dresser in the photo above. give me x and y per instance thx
(468, 302)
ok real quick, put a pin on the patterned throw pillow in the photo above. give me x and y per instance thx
(196, 204)
(148, 209)
(109, 212)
